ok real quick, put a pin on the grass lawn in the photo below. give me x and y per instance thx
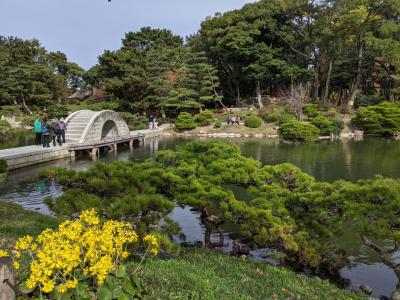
(201, 274)
(196, 273)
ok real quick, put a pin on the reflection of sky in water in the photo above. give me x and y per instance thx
(326, 161)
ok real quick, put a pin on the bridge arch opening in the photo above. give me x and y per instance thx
(109, 130)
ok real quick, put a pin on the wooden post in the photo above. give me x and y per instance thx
(94, 152)
(115, 147)
(131, 144)
(6, 273)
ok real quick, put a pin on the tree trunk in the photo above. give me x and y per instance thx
(328, 81)
(356, 87)
(210, 221)
(25, 107)
(259, 96)
(238, 95)
(316, 79)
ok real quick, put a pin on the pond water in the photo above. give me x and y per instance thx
(326, 161)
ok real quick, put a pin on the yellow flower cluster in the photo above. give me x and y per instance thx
(152, 243)
(3, 253)
(86, 245)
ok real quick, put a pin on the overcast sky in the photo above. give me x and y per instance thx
(84, 28)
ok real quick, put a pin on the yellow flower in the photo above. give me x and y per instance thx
(152, 242)
(23, 243)
(3, 253)
(16, 265)
(90, 217)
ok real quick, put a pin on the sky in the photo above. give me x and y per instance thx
(83, 29)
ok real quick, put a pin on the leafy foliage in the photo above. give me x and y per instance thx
(252, 122)
(382, 119)
(204, 118)
(324, 125)
(135, 122)
(368, 100)
(185, 121)
(300, 131)
(311, 110)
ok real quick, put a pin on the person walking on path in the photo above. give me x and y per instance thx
(57, 131)
(63, 129)
(155, 123)
(37, 127)
(45, 133)
(151, 122)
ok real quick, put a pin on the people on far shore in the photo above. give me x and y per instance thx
(233, 120)
(45, 133)
(153, 122)
(37, 128)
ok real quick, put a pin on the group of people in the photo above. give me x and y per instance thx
(153, 122)
(233, 120)
(49, 132)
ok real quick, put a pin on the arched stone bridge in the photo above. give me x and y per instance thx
(86, 126)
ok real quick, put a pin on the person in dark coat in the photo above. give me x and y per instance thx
(45, 133)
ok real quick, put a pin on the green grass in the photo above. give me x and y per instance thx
(201, 274)
(16, 222)
(196, 273)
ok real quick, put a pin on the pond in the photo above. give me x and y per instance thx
(325, 160)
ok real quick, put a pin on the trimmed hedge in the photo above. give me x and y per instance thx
(185, 121)
(311, 110)
(204, 118)
(252, 122)
(324, 125)
(299, 131)
(382, 119)
(280, 118)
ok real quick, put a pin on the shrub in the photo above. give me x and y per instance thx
(57, 111)
(324, 125)
(280, 118)
(367, 100)
(5, 127)
(301, 131)
(135, 122)
(382, 119)
(185, 121)
(10, 110)
(75, 261)
(217, 124)
(338, 126)
(331, 113)
(204, 118)
(111, 105)
(28, 120)
(252, 122)
(311, 110)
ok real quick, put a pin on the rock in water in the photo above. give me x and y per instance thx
(395, 295)
(366, 289)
